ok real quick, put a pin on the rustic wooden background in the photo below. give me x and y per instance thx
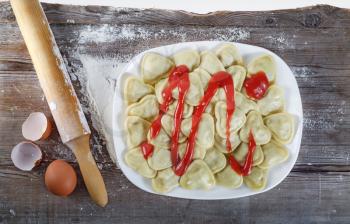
(315, 42)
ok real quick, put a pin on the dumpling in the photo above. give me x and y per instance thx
(229, 178)
(162, 140)
(188, 109)
(194, 93)
(160, 159)
(281, 126)
(215, 160)
(205, 134)
(257, 179)
(243, 103)
(264, 63)
(137, 129)
(220, 143)
(135, 89)
(211, 63)
(188, 57)
(203, 75)
(198, 153)
(159, 87)
(228, 55)
(193, 96)
(272, 102)
(237, 121)
(168, 125)
(134, 158)
(274, 153)
(261, 133)
(154, 67)
(198, 176)
(241, 152)
(165, 181)
(147, 108)
(239, 73)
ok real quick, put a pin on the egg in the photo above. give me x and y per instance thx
(60, 178)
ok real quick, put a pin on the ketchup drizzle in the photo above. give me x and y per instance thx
(248, 163)
(220, 79)
(179, 78)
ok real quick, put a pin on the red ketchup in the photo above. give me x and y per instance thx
(248, 163)
(218, 80)
(257, 85)
(179, 78)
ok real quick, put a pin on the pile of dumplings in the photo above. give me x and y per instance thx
(272, 127)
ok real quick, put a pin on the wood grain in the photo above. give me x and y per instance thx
(313, 41)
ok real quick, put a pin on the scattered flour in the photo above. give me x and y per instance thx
(97, 76)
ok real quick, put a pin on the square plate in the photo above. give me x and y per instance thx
(284, 78)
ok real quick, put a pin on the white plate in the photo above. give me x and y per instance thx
(285, 79)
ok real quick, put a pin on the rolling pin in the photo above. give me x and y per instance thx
(59, 92)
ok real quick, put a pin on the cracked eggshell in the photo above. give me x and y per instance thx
(36, 127)
(26, 155)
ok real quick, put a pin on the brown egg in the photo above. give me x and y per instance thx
(60, 178)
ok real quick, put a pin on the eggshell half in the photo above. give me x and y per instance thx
(26, 155)
(36, 127)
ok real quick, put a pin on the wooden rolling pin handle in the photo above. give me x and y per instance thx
(92, 176)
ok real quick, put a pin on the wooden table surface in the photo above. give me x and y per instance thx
(315, 42)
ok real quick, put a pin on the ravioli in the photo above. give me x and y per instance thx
(147, 108)
(165, 181)
(228, 55)
(211, 63)
(245, 104)
(203, 75)
(241, 152)
(198, 176)
(188, 109)
(168, 126)
(195, 92)
(237, 121)
(264, 63)
(257, 179)
(135, 89)
(281, 126)
(198, 153)
(162, 140)
(160, 159)
(239, 73)
(229, 178)
(136, 129)
(134, 159)
(188, 57)
(215, 160)
(154, 67)
(274, 153)
(220, 143)
(254, 123)
(272, 102)
(205, 134)
(193, 96)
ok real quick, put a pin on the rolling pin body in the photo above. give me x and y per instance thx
(59, 92)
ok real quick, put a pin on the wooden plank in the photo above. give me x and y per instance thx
(325, 194)
(313, 41)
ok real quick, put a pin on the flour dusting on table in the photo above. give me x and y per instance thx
(97, 77)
